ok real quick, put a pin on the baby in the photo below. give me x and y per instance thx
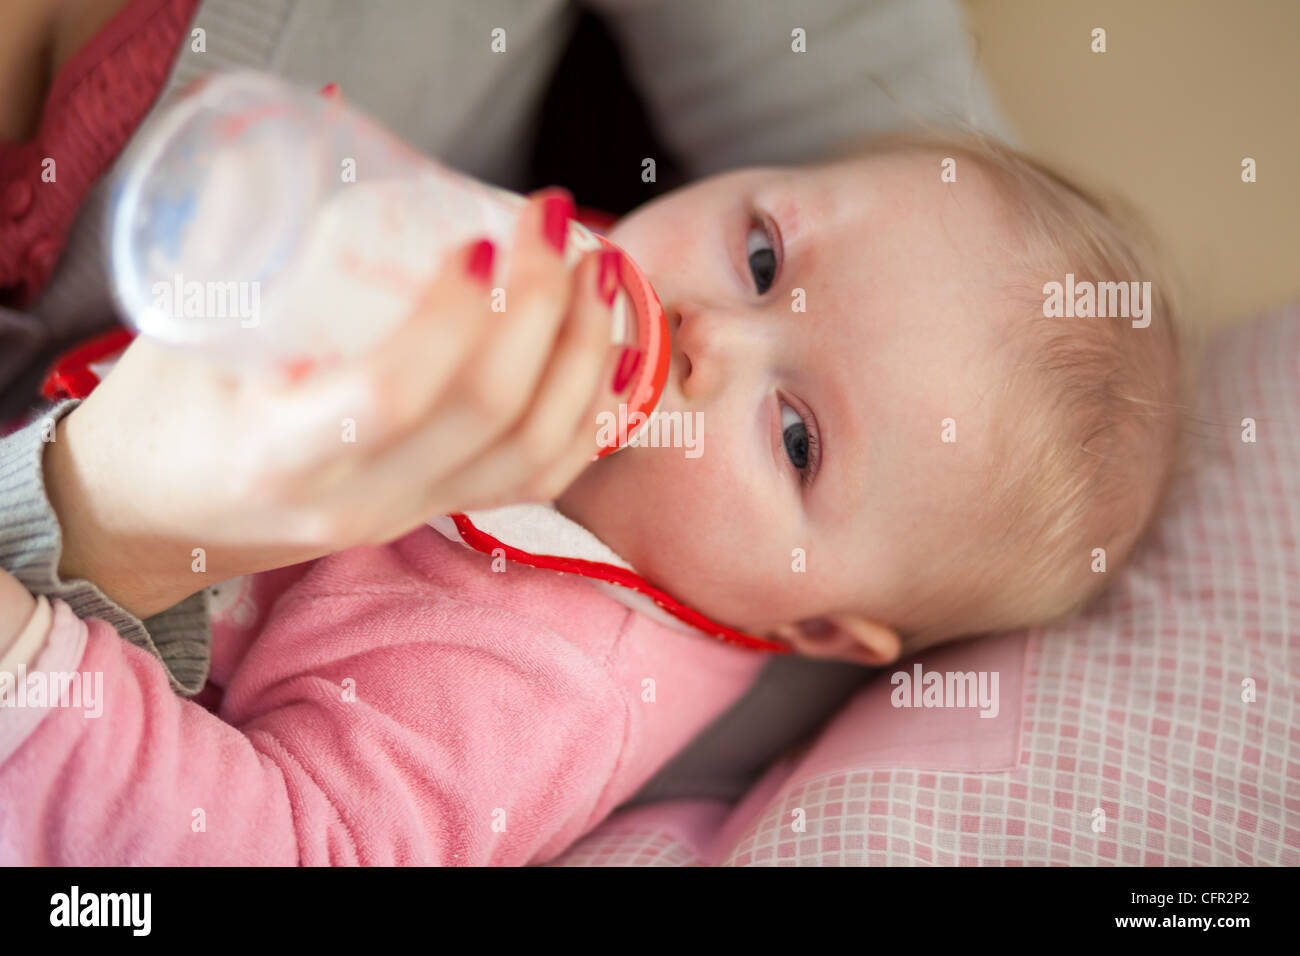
(903, 448)
(886, 403)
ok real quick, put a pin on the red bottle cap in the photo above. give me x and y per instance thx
(649, 333)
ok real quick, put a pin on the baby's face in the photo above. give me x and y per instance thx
(822, 429)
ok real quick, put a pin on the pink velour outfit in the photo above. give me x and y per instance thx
(415, 703)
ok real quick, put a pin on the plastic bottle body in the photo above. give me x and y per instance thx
(270, 226)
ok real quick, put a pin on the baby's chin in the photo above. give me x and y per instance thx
(711, 588)
(661, 512)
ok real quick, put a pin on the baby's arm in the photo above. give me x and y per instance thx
(122, 770)
(16, 609)
(365, 741)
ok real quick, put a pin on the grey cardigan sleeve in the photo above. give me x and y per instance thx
(31, 544)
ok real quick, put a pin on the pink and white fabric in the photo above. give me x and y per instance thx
(539, 536)
(395, 704)
(1159, 728)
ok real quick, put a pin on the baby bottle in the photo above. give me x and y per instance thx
(271, 227)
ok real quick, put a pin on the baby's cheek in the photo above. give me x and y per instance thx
(718, 551)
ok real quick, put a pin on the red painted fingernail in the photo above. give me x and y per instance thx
(329, 89)
(479, 264)
(628, 362)
(610, 276)
(298, 369)
(557, 210)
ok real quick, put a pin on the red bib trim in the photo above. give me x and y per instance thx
(485, 543)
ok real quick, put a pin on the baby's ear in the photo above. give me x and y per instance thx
(846, 637)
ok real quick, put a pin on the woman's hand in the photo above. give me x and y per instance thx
(174, 474)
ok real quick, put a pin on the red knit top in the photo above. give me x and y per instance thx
(98, 99)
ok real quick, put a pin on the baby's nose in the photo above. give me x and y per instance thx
(712, 346)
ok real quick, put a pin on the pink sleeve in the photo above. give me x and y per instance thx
(372, 742)
(115, 772)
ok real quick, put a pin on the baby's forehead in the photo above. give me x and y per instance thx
(886, 232)
(927, 179)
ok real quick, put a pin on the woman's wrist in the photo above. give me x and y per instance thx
(92, 548)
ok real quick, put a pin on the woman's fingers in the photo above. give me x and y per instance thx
(583, 442)
(498, 382)
(557, 434)
(361, 408)
(507, 470)
(467, 359)
(411, 371)
(494, 382)
(575, 384)
(478, 396)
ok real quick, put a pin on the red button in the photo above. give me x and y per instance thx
(18, 198)
(41, 257)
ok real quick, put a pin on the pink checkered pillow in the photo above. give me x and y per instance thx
(1161, 727)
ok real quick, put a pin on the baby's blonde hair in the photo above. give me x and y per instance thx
(1097, 408)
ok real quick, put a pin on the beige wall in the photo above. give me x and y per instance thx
(1186, 90)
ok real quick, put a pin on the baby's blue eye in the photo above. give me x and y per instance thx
(762, 258)
(794, 432)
